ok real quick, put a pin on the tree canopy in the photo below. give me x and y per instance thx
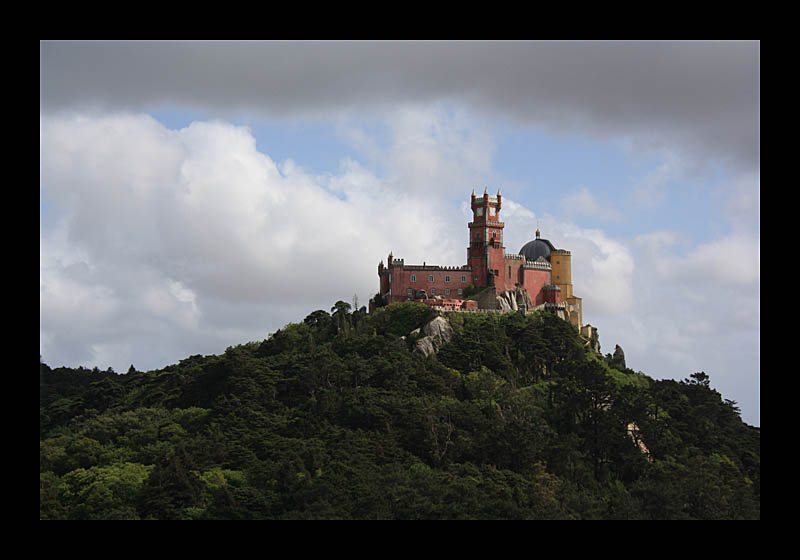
(336, 417)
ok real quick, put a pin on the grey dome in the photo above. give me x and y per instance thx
(536, 248)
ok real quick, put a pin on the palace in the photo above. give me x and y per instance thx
(538, 277)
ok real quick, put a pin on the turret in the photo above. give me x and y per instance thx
(485, 251)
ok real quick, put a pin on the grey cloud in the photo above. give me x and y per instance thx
(700, 96)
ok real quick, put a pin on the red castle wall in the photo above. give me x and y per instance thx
(445, 283)
(534, 281)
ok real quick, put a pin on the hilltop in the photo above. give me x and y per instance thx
(349, 415)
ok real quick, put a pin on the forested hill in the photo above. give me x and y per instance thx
(338, 417)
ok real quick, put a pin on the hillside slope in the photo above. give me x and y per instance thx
(337, 417)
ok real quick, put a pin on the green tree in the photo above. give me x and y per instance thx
(341, 316)
(317, 319)
(104, 492)
(172, 487)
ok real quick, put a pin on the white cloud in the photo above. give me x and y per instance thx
(651, 190)
(697, 309)
(602, 268)
(584, 203)
(162, 230)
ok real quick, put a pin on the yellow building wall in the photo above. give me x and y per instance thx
(561, 276)
(561, 273)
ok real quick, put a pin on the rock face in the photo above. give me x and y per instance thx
(438, 332)
(633, 432)
(619, 356)
(513, 300)
(502, 303)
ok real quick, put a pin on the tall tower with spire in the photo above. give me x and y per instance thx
(486, 250)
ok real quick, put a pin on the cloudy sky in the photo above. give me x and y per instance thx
(199, 195)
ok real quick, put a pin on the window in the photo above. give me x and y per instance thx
(413, 277)
(430, 278)
(447, 278)
(433, 291)
(509, 272)
(463, 279)
(447, 291)
(410, 292)
(460, 291)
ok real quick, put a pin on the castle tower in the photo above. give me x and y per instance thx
(561, 276)
(561, 261)
(486, 250)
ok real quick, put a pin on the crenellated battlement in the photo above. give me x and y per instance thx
(538, 264)
(400, 263)
(432, 267)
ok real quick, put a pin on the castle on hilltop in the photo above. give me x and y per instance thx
(538, 277)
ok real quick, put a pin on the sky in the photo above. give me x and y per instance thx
(196, 195)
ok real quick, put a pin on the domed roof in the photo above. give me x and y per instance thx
(536, 248)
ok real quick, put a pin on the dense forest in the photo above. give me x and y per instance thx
(337, 417)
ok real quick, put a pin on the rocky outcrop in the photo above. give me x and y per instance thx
(633, 432)
(514, 300)
(438, 332)
(502, 303)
